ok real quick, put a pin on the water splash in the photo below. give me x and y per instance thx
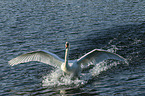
(56, 77)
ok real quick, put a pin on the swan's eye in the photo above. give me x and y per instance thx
(66, 45)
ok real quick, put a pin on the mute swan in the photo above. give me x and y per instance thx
(72, 67)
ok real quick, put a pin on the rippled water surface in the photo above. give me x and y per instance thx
(114, 25)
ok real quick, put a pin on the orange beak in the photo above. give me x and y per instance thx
(66, 45)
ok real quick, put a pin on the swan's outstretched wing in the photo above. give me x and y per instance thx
(41, 56)
(99, 55)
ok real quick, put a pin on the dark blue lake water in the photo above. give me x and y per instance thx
(114, 25)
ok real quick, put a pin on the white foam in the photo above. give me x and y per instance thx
(56, 78)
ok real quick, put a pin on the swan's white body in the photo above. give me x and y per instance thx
(72, 67)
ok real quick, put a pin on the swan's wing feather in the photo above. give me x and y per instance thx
(41, 56)
(99, 55)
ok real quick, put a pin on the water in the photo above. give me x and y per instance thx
(113, 25)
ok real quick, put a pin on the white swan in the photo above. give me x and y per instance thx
(72, 67)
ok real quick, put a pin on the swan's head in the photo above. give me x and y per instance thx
(66, 45)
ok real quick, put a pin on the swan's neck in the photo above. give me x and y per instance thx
(66, 57)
